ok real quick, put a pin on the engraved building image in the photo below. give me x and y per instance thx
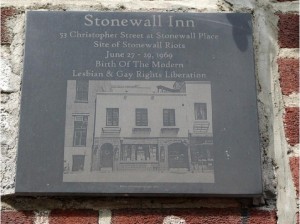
(138, 131)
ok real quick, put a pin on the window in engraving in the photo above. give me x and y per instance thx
(82, 90)
(78, 163)
(112, 116)
(80, 130)
(200, 111)
(139, 152)
(141, 117)
(169, 117)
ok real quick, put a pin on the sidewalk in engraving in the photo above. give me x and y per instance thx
(140, 177)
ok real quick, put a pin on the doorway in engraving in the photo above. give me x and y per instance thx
(78, 163)
(178, 156)
(106, 156)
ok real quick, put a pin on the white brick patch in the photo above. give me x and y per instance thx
(104, 216)
(173, 220)
(41, 217)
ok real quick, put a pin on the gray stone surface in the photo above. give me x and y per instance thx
(50, 61)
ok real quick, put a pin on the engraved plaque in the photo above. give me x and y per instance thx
(138, 104)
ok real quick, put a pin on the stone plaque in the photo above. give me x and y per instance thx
(138, 104)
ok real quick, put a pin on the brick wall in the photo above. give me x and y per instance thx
(279, 202)
(288, 68)
(141, 216)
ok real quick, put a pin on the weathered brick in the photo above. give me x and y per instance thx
(191, 216)
(294, 165)
(291, 125)
(73, 217)
(288, 35)
(6, 13)
(289, 75)
(262, 217)
(17, 217)
(136, 216)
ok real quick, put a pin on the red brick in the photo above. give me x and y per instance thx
(17, 217)
(262, 217)
(191, 216)
(73, 217)
(291, 125)
(294, 165)
(136, 216)
(6, 13)
(288, 26)
(289, 75)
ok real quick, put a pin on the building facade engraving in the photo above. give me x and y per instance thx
(160, 128)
